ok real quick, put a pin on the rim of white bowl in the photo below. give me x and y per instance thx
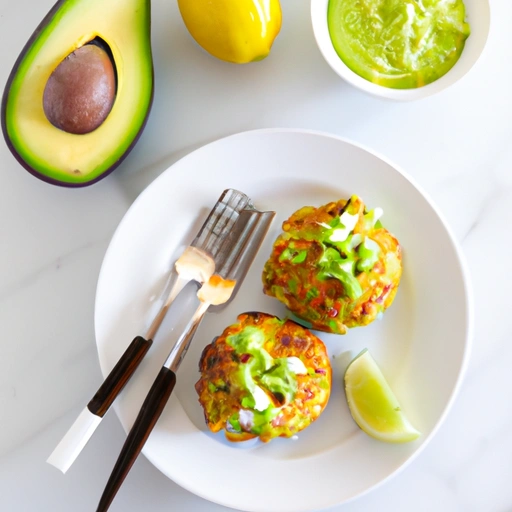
(478, 14)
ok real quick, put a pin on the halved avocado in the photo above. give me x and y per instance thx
(68, 159)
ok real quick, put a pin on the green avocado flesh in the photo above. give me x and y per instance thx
(79, 159)
(402, 44)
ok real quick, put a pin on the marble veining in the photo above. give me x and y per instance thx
(21, 283)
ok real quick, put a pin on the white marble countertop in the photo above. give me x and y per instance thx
(457, 145)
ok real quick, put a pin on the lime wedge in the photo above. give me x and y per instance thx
(373, 404)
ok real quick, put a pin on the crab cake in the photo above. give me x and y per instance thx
(334, 266)
(263, 377)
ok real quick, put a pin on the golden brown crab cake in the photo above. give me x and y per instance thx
(334, 266)
(263, 377)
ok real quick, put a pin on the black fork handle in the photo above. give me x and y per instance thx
(119, 376)
(148, 416)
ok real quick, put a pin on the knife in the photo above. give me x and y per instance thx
(248, 234)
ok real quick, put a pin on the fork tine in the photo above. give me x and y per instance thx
(220, 220)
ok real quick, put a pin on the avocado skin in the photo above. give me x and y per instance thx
(10, 145)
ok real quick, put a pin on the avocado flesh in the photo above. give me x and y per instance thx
(69, 159)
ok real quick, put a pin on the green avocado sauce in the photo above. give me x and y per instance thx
(260, 375)
(402, 44)
(345, 253)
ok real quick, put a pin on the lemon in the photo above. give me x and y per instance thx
(373, 404)
(238, 31)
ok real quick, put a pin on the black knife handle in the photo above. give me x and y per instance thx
(119, 376)
(148, 416)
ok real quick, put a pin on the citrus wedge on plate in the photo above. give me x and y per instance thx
(373, 404)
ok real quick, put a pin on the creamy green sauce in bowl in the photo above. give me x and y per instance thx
(402, 44)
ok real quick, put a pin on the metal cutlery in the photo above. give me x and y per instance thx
(238, 252)
(197, 263)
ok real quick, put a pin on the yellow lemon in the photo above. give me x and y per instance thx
(373, 404)
(237, 31)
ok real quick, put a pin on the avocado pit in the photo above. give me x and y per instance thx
(80, 92)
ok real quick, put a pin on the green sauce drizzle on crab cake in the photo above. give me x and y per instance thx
(334, 266)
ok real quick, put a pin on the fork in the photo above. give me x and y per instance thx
(197, 263)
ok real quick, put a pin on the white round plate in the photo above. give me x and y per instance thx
(421, 343)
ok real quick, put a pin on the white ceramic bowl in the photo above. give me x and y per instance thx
(478, 16)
